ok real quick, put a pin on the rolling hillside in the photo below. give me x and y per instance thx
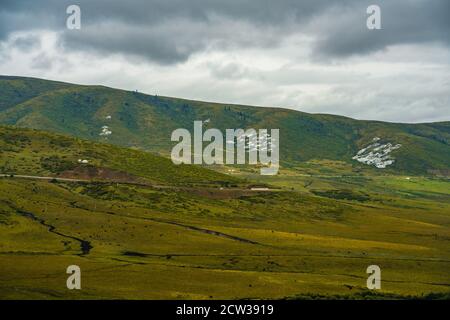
(143, 121)
(38, 153)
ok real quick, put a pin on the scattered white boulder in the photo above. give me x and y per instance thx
(377, 154)
(84, 161)
(105, 131)
(108, 117)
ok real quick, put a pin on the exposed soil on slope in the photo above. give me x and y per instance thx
(95, 173)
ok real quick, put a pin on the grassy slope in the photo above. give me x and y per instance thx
(146, 122)
(31, 152)
(152, 242)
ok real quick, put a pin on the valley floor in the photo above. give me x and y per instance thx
(144, 242)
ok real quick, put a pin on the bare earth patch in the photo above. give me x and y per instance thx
(95, 173)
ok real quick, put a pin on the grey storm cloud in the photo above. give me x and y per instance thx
(170, 31)
(403, 22)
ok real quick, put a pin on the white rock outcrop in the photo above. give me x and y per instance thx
(377, 154)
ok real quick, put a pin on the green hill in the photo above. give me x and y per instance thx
(38, 153)
(146, 122)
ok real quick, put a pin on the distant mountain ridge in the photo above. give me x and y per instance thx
(137, 120)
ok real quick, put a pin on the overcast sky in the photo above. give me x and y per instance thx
(313, 56)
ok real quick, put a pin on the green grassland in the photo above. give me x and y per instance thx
(150, 230)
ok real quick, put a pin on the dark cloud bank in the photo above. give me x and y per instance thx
(168, 32)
